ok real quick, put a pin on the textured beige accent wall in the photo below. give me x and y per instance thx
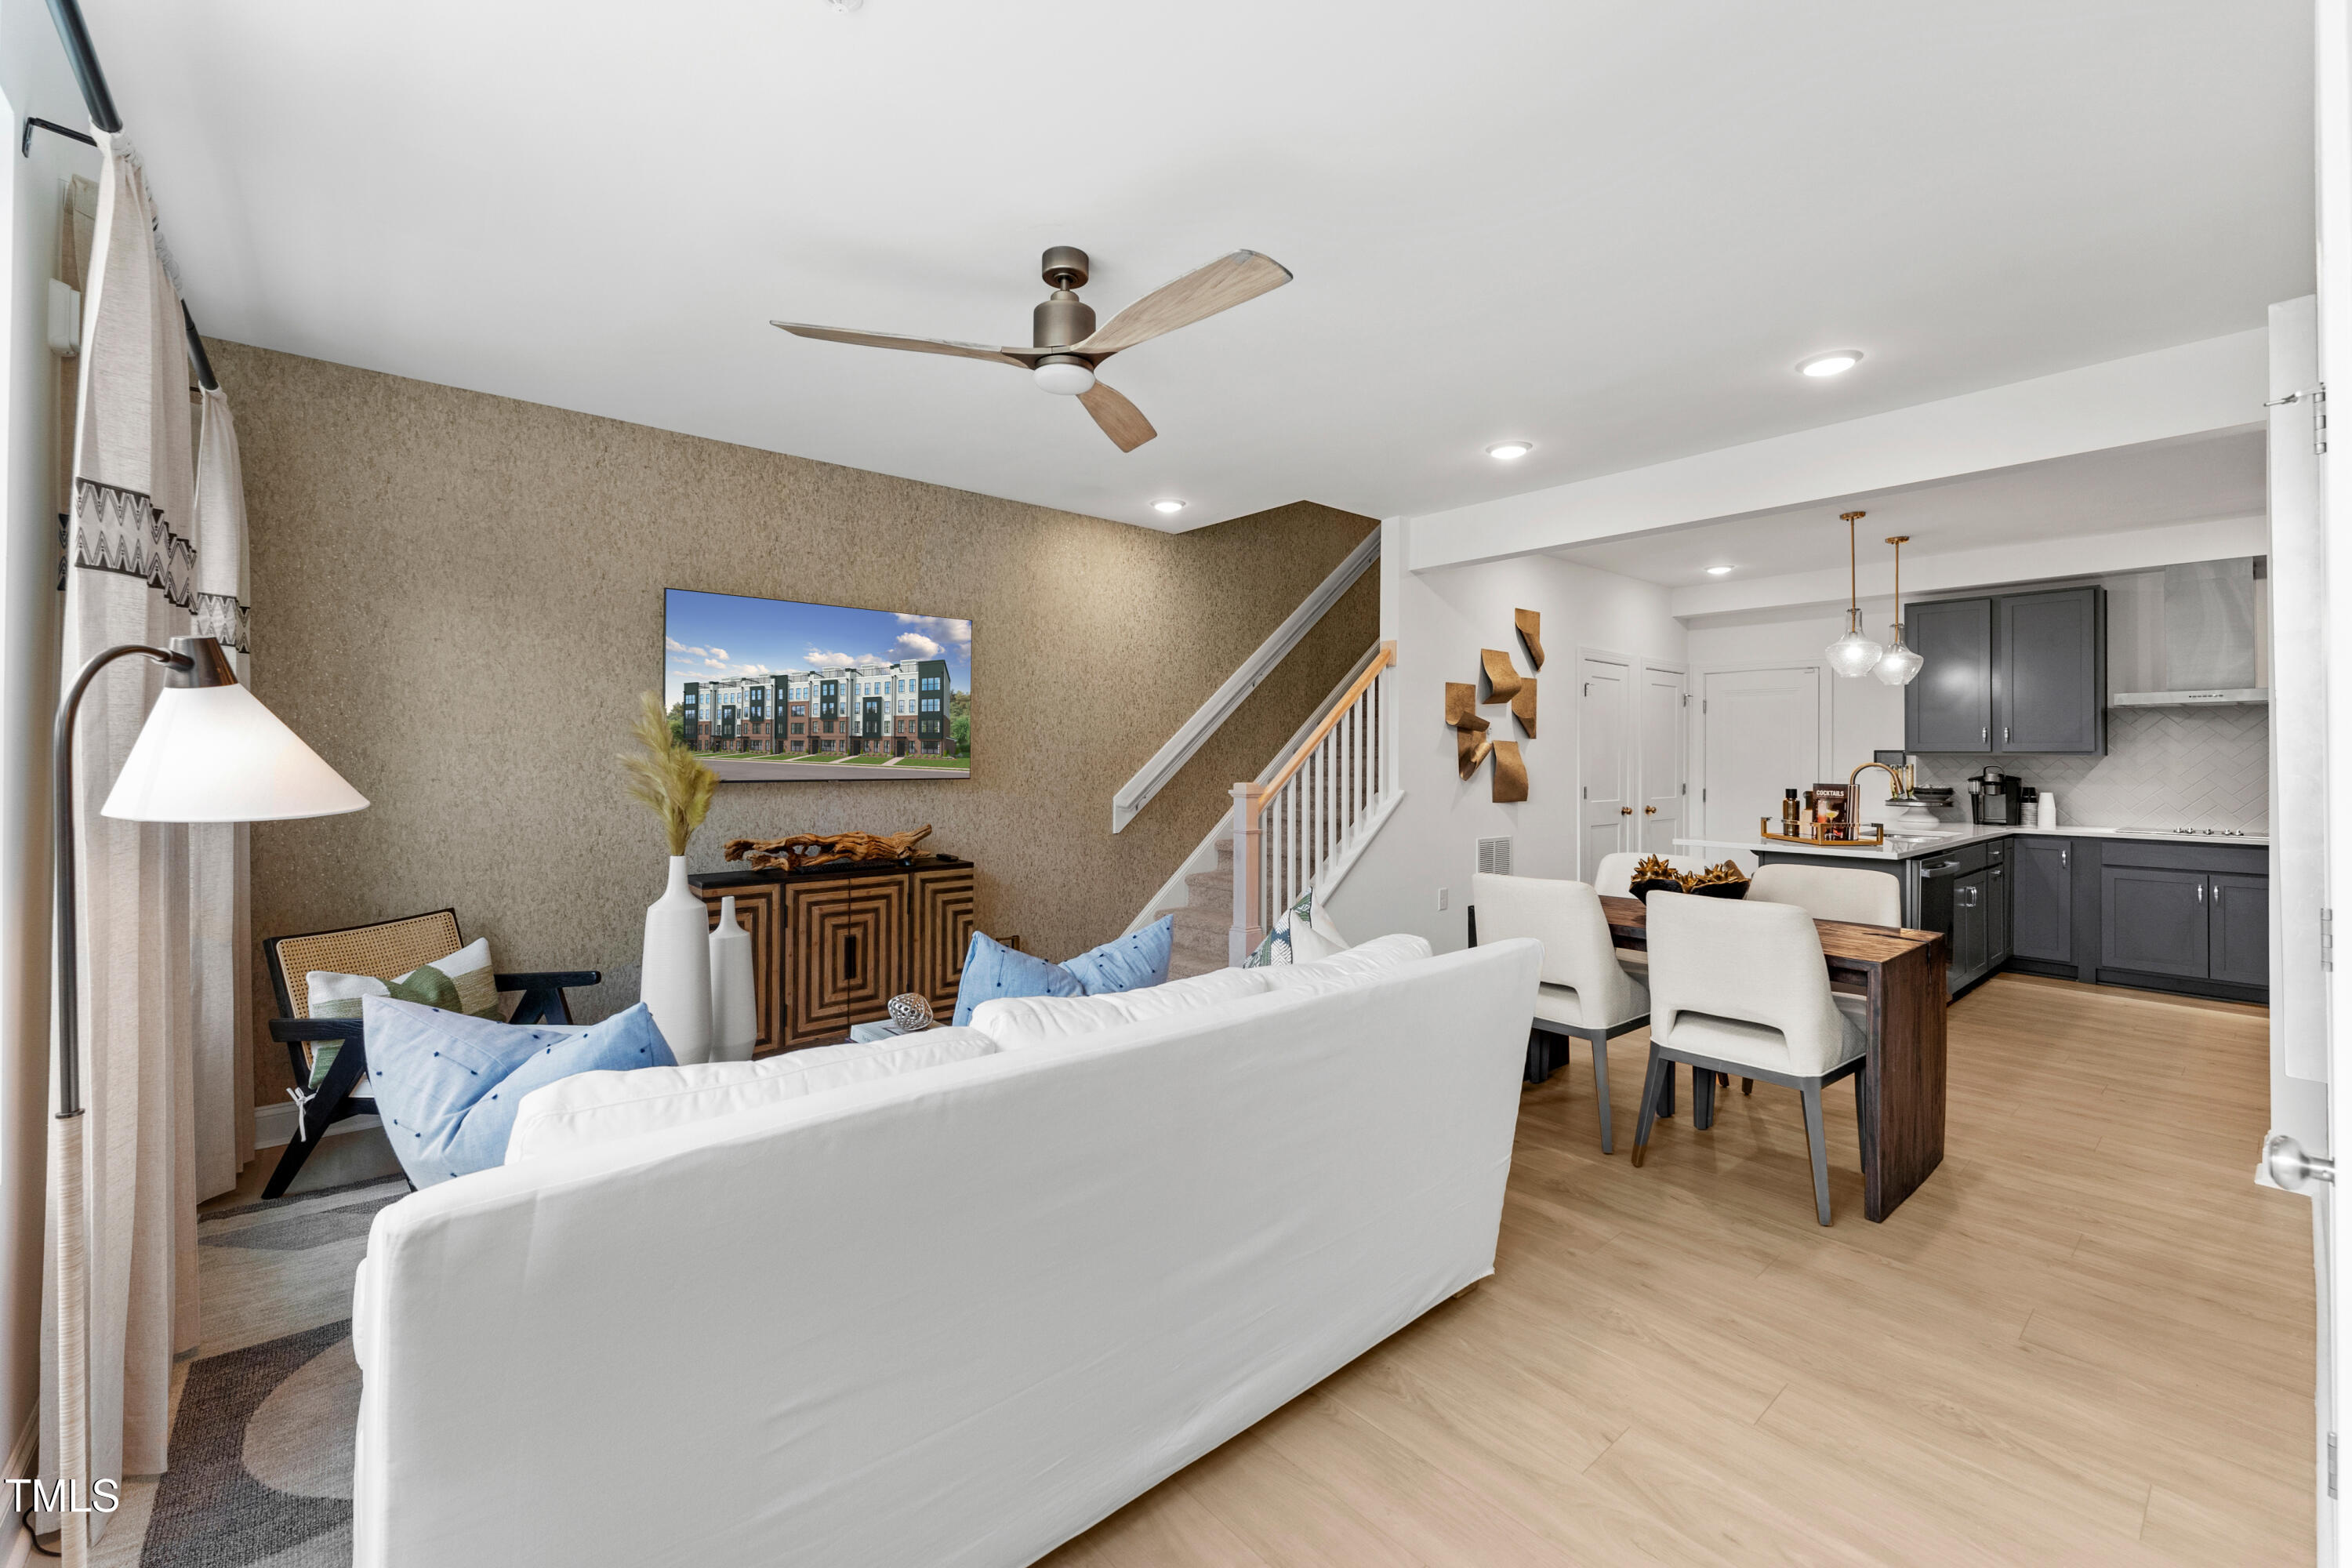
(457, 599)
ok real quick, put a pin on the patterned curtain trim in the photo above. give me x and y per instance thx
(121, 531)
(219, 616)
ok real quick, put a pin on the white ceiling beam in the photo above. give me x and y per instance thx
(2194, 389)
(2077, 555)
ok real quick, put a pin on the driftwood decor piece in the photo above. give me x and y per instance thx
(1510, 774)
(803, 849)
(1502, 680)
(1530, 625)
(1523, 706)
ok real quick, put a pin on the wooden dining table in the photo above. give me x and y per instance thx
(1901, 1097)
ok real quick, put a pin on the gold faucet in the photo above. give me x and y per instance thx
(1900, 777)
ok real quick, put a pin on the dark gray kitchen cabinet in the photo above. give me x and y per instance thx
(2022, 673)
(1947, 707)
(2048, 672)
(2238, 921)
(1997, 907)
(2156, 921)
(2041, 900)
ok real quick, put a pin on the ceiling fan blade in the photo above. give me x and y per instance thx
(1224, 283)
(1024, 358)
(1121, 420)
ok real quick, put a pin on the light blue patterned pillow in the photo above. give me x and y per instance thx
(992, 970)
(1128, 962)
(447, 1084)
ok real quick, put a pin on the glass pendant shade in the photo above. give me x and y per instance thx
(1854, 655)
(1898, 664)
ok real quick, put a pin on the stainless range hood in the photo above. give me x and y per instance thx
(2195, 640)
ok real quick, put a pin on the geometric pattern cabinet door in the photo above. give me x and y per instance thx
(944, 919)
(845, 952)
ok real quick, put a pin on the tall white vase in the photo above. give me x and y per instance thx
(675, 983)
(734, 1006)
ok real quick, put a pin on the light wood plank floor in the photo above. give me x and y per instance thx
(2087, 1338)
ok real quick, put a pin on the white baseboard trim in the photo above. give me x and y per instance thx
(273, 1125)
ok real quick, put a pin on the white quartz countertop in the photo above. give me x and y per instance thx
(1952, 835)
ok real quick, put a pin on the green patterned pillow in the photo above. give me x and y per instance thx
(463, 981)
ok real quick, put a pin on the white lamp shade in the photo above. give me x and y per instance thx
(213, 753)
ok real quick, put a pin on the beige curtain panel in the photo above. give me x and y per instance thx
(152, 551)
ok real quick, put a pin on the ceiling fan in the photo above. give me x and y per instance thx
(1067, 345)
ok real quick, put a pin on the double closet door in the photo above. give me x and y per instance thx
(1631, 790)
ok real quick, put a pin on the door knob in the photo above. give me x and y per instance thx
(1649, 811)
(2290, 1167)
(1624, 811)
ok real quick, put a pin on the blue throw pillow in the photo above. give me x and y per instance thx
(447, 1084)
(992, 970)
(1128, 962)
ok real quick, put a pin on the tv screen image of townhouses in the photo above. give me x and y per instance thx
(769, 688)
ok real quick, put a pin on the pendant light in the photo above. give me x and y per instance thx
(1853, 654)
(1898, 664)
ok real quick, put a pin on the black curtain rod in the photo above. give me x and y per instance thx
(34, 122)
(82, 55)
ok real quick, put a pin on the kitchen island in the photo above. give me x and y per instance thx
(2145, 907)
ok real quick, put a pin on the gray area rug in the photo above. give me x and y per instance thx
(263, 1429)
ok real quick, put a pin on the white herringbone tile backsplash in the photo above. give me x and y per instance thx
(2165, 767)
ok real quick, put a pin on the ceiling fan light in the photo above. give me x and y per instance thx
(1066, 378)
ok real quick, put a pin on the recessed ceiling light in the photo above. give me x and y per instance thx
(1171, 506)
(1837, 362)
(1510, 451)
(1718, 571)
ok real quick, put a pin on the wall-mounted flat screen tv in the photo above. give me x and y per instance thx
(769, 688)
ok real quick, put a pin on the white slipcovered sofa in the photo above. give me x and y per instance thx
(951, 1317)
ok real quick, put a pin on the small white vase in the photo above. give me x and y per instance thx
(734, 1006)
(675, 982)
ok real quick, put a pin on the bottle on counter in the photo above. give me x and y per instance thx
(1789, 809)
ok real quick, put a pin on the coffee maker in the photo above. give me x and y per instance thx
(1997, 799)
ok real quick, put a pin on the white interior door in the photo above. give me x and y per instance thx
(1604, 758)
(1663, 744)
(1760, 732)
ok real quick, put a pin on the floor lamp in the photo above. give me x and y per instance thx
(209, 751)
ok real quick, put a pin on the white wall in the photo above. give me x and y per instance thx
(1439, 621)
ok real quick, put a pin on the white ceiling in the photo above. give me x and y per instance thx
(2094, 493)
(1611, 228)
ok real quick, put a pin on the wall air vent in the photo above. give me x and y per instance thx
(1495, 856)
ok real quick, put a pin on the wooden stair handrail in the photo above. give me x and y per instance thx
(1381, 661)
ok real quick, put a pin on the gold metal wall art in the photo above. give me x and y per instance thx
(1470, 749)
(1510, 774)
(1522, 705)
(1462, 705)
(1530, 625)
(1502, 680)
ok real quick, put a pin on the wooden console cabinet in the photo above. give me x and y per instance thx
(831, 945)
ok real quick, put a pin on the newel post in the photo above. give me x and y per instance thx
(1249, 874)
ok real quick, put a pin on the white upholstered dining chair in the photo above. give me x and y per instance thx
(1585, 995)
(1741, 986)
(1851, 893)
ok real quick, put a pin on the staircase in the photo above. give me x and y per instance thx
(1304, 820)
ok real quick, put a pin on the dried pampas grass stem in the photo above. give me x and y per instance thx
(666, 775)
